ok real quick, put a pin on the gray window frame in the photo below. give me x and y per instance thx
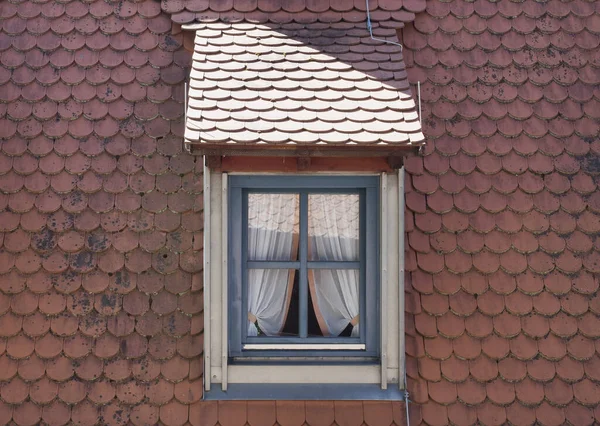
(369, 264)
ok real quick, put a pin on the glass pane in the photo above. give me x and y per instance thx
(336, 298)
(333, 227)
(269, 295)
(273, 221)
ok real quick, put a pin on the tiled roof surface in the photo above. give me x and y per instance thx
(286, 11)
(299, 85)
(101, 228)
(100, 218)
(504, 213)
(99, 203)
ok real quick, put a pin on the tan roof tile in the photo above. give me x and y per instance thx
(212, 125)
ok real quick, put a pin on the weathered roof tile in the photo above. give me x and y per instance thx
(529, 151)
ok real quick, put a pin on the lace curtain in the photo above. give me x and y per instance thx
(333, 229)
(272, 235)
(333, 235)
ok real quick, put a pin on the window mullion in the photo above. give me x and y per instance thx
(303, 255)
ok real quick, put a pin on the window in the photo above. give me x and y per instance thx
(302, 286)
(303, 275)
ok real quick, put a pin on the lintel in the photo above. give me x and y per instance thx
(283, 164)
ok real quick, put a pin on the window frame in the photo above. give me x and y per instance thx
(318, 380)
(368, 186)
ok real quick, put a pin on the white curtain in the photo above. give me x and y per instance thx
(272, 235)
(334, 236)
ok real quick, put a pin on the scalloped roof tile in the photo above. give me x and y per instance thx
(503, 217)
(507, 102)
(297, 85)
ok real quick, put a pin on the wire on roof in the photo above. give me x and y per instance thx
(370, 27)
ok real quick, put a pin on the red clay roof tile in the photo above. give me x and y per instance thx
(455, 369)
(15, 391)
(90, 367)
(43, 391)
(507, 325)
(558, 392)
(570, 370)
(56, 413)
(552, 347)
(27, 413)
(29, 369)
(474, 19)
(549, 415)
(511, 369)
(435, 414)
(495, 347)
(471, 392)
(577, 414)
(429, 369)
(72, 392)
(587, 392)
(563, 325)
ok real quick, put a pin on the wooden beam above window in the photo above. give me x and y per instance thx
(248, 164)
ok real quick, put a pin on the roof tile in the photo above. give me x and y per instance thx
(586, 392)
(14, 392)
(29, 369)
(516, 156)
(442, 392)
(232, 413)
(483, 369)
(471, 392)
(434, 414)
(27, 413)
(495, 347)
(173, 413)
(378, 413)
(507, 325)
(43, 391)
(56, 413)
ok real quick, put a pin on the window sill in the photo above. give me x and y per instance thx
(321, 374)
(307, 392)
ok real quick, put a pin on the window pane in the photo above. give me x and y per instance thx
(273, 226)
(269, 295)
(336, 298)
(333, 227)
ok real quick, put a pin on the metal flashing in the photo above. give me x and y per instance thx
(304, 392)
